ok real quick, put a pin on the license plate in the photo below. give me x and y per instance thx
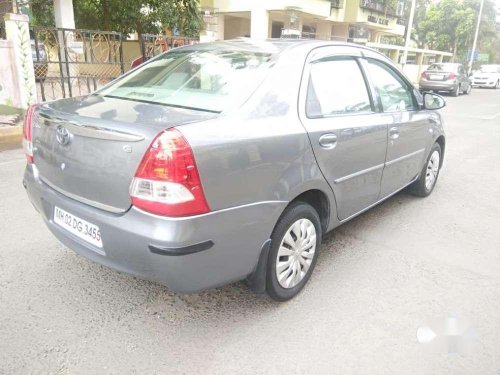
(79, 227)
(436, 77)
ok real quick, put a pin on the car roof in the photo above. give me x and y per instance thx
(300, 46)
(446, 63)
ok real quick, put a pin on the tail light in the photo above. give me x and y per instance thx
(424, 75)
(452, 76)
(28, 133)
(167, 180)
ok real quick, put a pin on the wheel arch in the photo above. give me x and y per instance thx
(320, 202)
(442, 143)
(324, 205)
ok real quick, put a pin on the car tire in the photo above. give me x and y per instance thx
(456, 91)
(429, 173)
(295, 245)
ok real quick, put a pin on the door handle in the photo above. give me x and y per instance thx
(394, 133)
(328, 141)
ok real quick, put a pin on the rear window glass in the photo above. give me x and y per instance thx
(489, 69)
(203, 80)
(443, 67)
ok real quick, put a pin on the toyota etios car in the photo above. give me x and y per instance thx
(227, 161)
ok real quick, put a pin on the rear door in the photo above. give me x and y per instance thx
(348, 137)
(408, 128)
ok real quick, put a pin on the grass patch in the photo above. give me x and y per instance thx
(8, 110)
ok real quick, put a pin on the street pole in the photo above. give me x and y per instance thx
(471, 60)
(408, 33)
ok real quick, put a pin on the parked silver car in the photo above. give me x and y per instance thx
(449, 77)
(487, 76)
(226, 161)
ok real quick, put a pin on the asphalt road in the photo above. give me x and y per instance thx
(405, 264)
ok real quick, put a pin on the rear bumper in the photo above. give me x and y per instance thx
(437, 85)
(185, 254)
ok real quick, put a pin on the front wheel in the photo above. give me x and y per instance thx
(456, 91)
(295, 245)
(429, 174)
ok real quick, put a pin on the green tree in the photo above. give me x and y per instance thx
(41, 12)
(449, 25)
(141, 16)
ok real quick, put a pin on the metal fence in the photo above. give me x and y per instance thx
(74, 62)
(153, 44)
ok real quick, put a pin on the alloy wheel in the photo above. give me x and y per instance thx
(296, 253)
(432, 170)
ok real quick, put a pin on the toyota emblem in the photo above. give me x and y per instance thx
(63, 136)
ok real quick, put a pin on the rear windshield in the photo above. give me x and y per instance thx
(203, 80)
(489, 69)
(443, 67)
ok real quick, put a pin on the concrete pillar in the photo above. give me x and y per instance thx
(64, 17)
(220, 27)
(324, 31)
(9, 85)
(394, 55)
(17, 31)
(64, 14)
(259, 23)
(420, 60)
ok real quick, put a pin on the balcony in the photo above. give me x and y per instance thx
(380, 6)
(337, 4)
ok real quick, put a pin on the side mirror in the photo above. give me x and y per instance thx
(433, 101)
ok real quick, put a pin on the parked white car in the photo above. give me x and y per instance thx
(487, 76)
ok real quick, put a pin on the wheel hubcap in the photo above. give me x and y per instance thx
(432, 170)
(296, 253)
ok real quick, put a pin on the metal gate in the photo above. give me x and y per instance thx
(152, 44)
(74, 62)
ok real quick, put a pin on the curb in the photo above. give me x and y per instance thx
(11, 135)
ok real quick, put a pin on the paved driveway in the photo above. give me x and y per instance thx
(405, 264)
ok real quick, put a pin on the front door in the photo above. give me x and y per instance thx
(348, 138)
(408, 128)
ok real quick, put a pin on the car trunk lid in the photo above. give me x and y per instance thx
(89, 148)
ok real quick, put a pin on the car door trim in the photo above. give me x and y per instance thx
(359, 173)
(404, 157)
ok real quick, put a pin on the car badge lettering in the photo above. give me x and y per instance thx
(63, 135)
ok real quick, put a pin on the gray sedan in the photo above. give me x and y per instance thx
(448, 77)
(220, 162)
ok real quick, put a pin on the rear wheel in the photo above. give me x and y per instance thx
(429, 174)
(295, 245)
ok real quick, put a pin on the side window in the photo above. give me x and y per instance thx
(393, 91)
(336, 87)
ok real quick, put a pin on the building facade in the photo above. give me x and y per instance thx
(359, 21)
(374, 23)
